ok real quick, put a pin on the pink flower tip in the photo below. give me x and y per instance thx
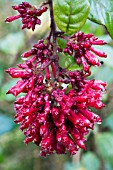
(12, 18)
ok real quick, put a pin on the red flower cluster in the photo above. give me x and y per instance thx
(53, 117)
(29, 15)
(54, 113)
(80, 45)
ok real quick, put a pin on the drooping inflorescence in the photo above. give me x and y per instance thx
(55, 112)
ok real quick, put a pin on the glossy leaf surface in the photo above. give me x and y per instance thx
(70, 15)
(101, 12)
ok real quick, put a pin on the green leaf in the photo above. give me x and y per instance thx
(104, 143)
(90, 161)
(74, 66)
(67, 61)
(70, 15)
(101, 12)
(109, 22)
(61, 42)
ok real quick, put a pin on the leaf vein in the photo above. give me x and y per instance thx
(69, 17)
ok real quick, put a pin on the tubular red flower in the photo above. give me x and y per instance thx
(29, 15)
(56, 120)
(80, 46)
(55, 111)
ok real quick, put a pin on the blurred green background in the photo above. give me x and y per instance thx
(14, 154)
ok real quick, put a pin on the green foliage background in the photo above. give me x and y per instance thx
(14, 154)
